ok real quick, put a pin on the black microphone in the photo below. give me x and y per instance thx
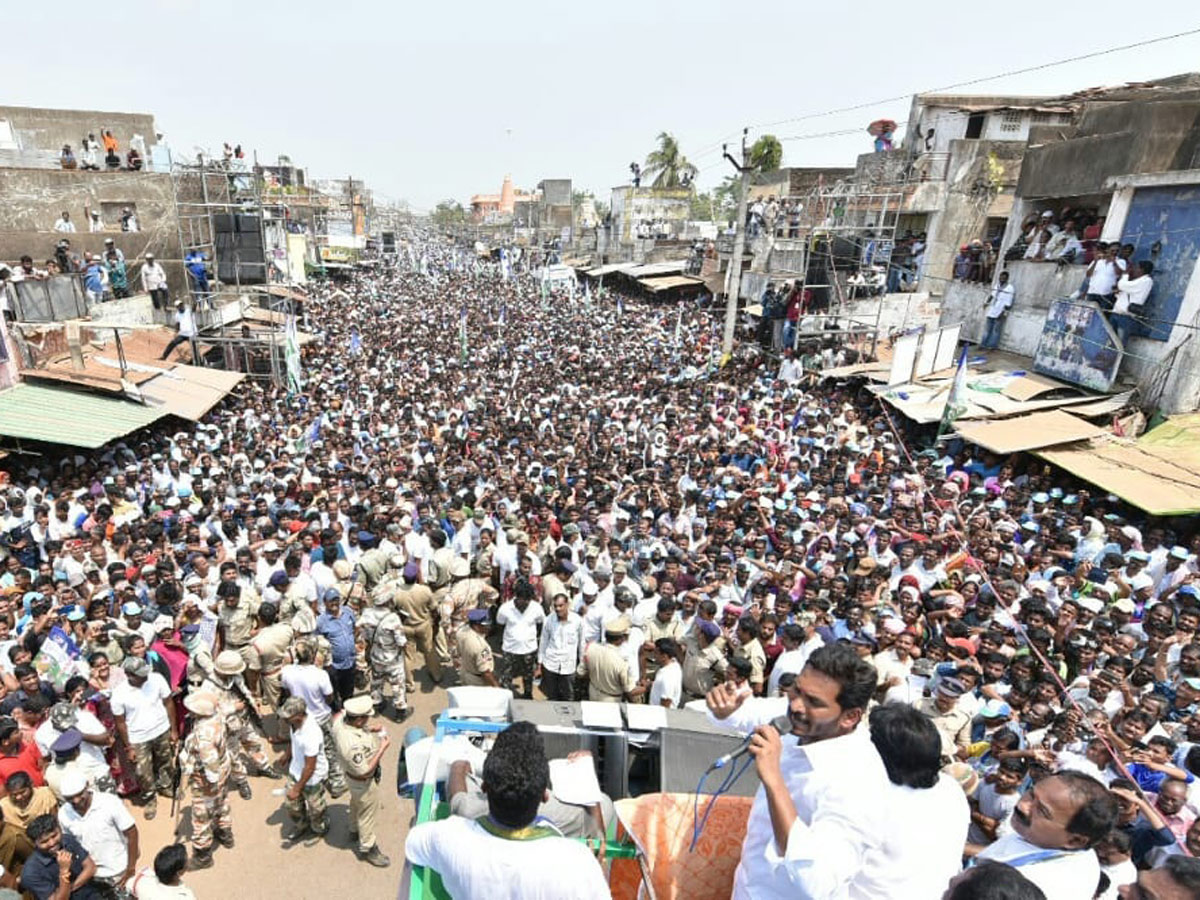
(782, 724)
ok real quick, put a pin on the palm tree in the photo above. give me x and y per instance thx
(666, 165)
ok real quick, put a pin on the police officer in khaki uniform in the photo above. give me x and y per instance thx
(475, 663)
(236, 616)
(360, 749)
(270, 646)
(419, 608)
(607, 670)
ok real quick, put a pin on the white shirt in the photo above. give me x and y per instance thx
(153, 277)
(668, 685)
(792, 662)
(145, 716)
(1119, 875)
(63, 226)
(101, 830)
(146, 887)
(1132, 292)
(1069, 875)
(187, 322)
(476, 864)
(1104, 277)
(917, 861)
(994, 805)
(312, 684)
(833, 847)
(86, 724)
(560, 644)
(888, 664)
(520, 628)
(308, 740)
(1001, 300)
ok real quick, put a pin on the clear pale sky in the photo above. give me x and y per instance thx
(433, 100)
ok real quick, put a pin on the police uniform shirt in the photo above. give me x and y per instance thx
(238, 622)
(608, 674)
(417, 604)
(475, 655)
(355, 747)
(271, 646)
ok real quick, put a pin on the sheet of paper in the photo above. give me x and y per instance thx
(574, 781)
(916, 684)
(601, 715)
(643, 717)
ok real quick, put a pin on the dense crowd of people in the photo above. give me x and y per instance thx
(484, 481)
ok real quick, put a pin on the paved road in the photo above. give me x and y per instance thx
(259, 867)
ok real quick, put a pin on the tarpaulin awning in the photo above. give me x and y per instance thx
(1159, 472)
(660, 268)
(57, 415)
(605, 270)
(189, 391)
(869, 368)
(666, 282)
(1040, 429)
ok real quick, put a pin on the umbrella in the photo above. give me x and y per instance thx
(881, 126)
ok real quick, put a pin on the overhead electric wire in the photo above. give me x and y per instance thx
(1025, 70)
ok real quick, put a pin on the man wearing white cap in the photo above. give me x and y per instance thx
(102, 824)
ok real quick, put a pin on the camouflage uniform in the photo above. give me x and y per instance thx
(206, 765)
(384, 633)
(199, 667)
(310, 807)
(241, 735)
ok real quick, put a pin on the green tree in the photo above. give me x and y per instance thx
(667, 165)
(725, 196)
(448, 212)
(766, 153)
(704, 207)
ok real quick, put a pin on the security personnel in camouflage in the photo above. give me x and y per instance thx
(200, 658)
(383, 632)
(233, 698)
(205, 763)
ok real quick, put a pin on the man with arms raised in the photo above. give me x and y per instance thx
(815, 826)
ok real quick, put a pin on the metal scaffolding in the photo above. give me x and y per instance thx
(203, 191)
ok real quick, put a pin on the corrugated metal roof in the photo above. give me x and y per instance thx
(665, 282)
(605, 270)
(659, 268)
(42, 412)
(190, 391)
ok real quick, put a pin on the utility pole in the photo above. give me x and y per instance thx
(739, 245)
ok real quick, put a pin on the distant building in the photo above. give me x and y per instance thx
(649, 213)
(492, 208)
(38, 189)
(1127, 169)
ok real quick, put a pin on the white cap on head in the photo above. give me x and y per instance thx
(73, 784)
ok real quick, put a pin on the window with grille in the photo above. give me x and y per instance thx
(1011, 120)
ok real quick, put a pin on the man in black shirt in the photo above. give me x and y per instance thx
(60, 868)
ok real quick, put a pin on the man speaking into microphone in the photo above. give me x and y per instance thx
(816, 816)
